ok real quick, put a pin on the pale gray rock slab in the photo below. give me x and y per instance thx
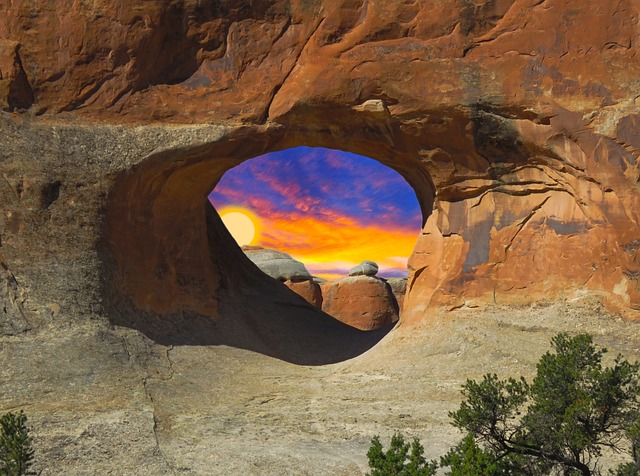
(366, 268)
(278, 265)
(106, 401)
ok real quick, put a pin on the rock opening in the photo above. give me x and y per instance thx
(174, 272)
(508, 225)
(320, 220)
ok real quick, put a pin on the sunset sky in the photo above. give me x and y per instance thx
(327, 208)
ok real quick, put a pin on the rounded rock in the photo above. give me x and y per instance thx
(277, 264)
(363, 302)
(366, 268)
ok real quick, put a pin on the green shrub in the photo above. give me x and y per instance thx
(16, 451)
(627, 469)
(397, 460)
(560, 423)
(468, 459)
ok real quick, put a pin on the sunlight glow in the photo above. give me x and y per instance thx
(241, 223)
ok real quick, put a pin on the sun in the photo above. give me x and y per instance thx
(241, 223)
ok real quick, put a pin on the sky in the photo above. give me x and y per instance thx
(327, 208)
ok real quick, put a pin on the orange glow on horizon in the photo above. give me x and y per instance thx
(327, 208)
(325, 246)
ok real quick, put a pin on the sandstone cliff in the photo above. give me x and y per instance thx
(514, 121)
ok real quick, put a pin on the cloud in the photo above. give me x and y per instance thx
(315, 242)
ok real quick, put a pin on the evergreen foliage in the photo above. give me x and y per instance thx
(468, 459)
(16, 446)
(557, 425)
(560, 423)
(398, 460)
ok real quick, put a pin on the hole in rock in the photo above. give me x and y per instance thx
(171, 270)
(335, 227)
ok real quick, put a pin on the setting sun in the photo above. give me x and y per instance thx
(241, 223)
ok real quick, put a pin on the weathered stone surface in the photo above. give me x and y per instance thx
(366, 268)
(164, 61)
(399, 290)
(522, 148)
(372, 105)
(277, 264)
(519, 143)
(15, 90)
(12, 313)
(363, 302)
(130, 406)
(309, 290)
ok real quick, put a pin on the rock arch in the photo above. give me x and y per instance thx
(504, 200)
(522, 148)
(173, 271)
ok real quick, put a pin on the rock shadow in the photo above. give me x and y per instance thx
(253, 312)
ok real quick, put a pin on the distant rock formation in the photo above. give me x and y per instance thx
(360, 300)
(366, 268)
(309, 290)
(284, 268)
(277, 264)
(364, 302)
(399, 289)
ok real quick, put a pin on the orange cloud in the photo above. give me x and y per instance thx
(330, 248)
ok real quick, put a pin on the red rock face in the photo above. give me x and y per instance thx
(15, 91)
(94, 56)
(363, 302)
(309, 290)
(169, 59)
(516, 122)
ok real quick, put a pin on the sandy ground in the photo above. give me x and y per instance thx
(108, 401)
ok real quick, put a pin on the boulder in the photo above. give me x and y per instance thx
(366, 268)
(277, 264)
(363, 302)
(309, 290)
